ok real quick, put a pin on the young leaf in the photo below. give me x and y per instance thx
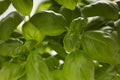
(49, 22)
(78, 25)
(78, 67)
(70, 4)
(71, 41)
(23, 6)
(30, 32)
(101, 46)
(101, 9)
(36, 68)
(4, 4)
(9, 24)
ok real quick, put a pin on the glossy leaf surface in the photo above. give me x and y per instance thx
(70, 4)
(49, 22)
(23, 6)
(78, 67)
(9, 24)
(4, 4)
(30, 32)
(101, 46)
(103, 9)
(36, 68)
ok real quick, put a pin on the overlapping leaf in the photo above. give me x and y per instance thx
(102, 46)
(103, 9)
(78, 67)
(36, 68)
(23, 6)
(7, 47)
(11, 71)
(30, 32)
(70, 4)
(49, 22)
(9, 24)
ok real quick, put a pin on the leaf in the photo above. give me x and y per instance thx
(30, 32)
(36, 68)
(7, 47)
(49, 23)
(78, 67)
(78, 25)
(58, 75)
(11, 71)
(70, 14)
(9, 24)
(4, 4)
(70, 4)
(71, 41)
(103, 9)
(23, 6)
(58, 48)
(44, 5)
(101, 46)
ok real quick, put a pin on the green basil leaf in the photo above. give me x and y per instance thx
(49, 22)
(58, 75)
(44, 5)
(78, 67)
(9, 24)
(11, 71)
(102, 46)
(36, 68)
(70, 4)
(70, 14)
(103, 9)
(7, 47)
(30, 32)
(71, 41)
(78, 25)
(23, 6)
(4, 4)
